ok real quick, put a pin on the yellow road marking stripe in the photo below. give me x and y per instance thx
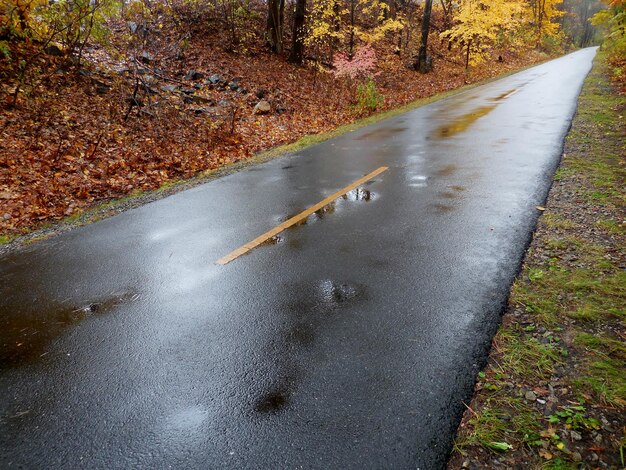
(297, 218)
(510, 94)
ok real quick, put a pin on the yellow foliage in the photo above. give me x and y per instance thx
(542, 15)
(601, 18)
(323, 23)
(333, 23)
(479, 22)
(15, 15)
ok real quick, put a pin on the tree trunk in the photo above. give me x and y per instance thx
(297, 49)
(423, 63)
(352, 26)
(274, 30)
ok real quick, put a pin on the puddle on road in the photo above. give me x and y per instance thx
(328, 209)
(272, 402)
(359, 194)
(309, 312)
(332, 295)
(25, 336)
(503, 95)
(326, 296)
(442, 208)
(275, 240)
(417, 181)
(461, 123)
(382, 133)
(448, 195)
(447, 170)
(300, 335)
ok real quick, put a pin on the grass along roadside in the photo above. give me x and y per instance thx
(553, 394)
(136, 198)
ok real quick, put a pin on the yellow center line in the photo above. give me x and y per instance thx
(295, 219)
(510, 94)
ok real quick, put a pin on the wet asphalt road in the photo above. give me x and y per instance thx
(350, 341)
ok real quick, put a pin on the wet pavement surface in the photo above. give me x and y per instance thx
(350, 340)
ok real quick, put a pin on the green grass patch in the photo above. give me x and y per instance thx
(588, 340)
(611, 226)
(602, 118)
(606, 379)
(503, 423)
(593, 292)
(560, 464)
(556, 244)
(528, 356)
(556, 221)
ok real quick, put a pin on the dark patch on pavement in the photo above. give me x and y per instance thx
(381, 133)
(272, 402)
(26, 333)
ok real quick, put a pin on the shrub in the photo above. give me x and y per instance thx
(368, 97)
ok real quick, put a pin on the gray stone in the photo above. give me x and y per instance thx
(196, 99)
(530, 395)
(150, 80)
(210, 110)
(194, 75)
(102, 89)
(121, 69)
(169, 88)
(146, 57)
(6, 216)
(214, 79)
(262, 107)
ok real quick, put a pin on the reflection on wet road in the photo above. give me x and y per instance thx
(461, 123)
(350, 338)
(321, 209)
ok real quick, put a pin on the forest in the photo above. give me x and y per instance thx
(104, 98)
